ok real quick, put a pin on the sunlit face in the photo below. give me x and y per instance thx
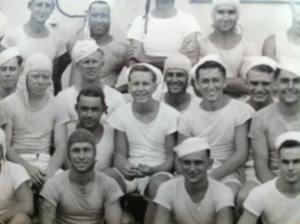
(259, 85)
(141, 86)
(195, 166)
(9, 74)
(41, 9)
(289, 164)
(176, 80)
(38, 82)
(225, 17)
(211, 83)
(90, 66)
(99, 16)
(82, 156)
(89, 110)
(288, 87)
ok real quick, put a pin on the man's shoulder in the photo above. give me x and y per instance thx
(168, 109)
(59, 179)
(55, 35)
(217, 186)
(103, 180)
(265, 112)
(11, 99)
(173, 183)
(241, 105)
(109, 91)
(67, 93)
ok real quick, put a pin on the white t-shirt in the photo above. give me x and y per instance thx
(2, 115)
(53, 45)
(232, 57)
(67, 99)
(164, 36)
(74, 207)
(32, 131)
(105, 149)
(12, 176)
(146, 140)
(274, 207)
(284, 48)
(173, 196)
(218, 126)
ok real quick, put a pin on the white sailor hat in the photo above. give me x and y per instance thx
(252, 61)
(290, 135)
(83, 48)
(290, 64)
(191, 145)
(210, 57)
(155, 70)
(8, 54)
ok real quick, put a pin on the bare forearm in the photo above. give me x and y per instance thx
(56, 162)
(166, 166)
(13, 156)
(263, 172)
(120, 161)
(236, 86)
(21, 207)
(47, 212)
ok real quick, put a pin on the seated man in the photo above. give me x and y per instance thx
(259, 72)
(16, 199)
(162, 32)
(194, 198)
(10, 69)
(277, 201)
(268, 123)
(34, 36)
(89, 61)
(223, 120)
(90, 107)
(176, 91)
(82, 194)
(32, 115)
(115, 52)
(144, 135)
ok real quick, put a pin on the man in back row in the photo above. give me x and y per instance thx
(224, 121)
(277, 201)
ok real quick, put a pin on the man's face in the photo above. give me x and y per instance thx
(141, 86)
(225, 17)
(260, 85)
(90, 67)
(288, 87)
(195, 166)
(211, 83)
(38, 82)
(99, 16)
(289, 164)
(82, 156)
(89, 110)
(41, 9)
(176, 80)
(9, 74)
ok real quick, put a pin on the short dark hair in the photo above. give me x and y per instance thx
(142, 68)
(100, 3)
(211, 64)
(93, 90)
(288, 144)
(20, 60)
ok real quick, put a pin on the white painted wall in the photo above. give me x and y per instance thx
(258, 20)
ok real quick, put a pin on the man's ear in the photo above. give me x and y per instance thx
(225, 82)
(76, 108)
(155, 86)
(210, 163)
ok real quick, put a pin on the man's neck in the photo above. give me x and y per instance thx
(164, 10)
(35, 27)
(290, 190)
(97, 131)
(82, 178)
(257, 105)
(144, 108)
(177, 100)
(35, 98)
(84, 83)
(289, 109)
(223, 36)
(102, 39)
(216, 105)
(196, 191)
(6, 92)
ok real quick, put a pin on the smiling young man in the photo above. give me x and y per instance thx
(115, 52)
(89, 60)
(275, 119)
(90, 107)
(194, 197)
(81, 194)
(144, 136)
(277, 201)
(10, 69)
(223, 120)
(34, 36)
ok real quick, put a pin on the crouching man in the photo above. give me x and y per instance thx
(194, 197)
(81, 194)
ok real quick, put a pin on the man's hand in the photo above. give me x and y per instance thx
(37, 175)
(129, 171)
(143, 170)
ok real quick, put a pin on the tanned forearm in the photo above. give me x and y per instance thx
(47, 212)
